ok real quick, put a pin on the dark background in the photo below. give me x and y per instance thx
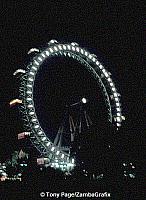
(111, 30)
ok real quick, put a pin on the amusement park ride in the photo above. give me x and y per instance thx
(61, 153)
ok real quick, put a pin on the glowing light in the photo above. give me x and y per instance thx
(15, 101)
(74, 44)
(33, 50)
(43, 55)
(35, 68)
(29, 92)
(103, 70)
(31, 113)
(132, 175)
(48, 143)
(62, 156)
(123, 117)
(40, 133)
(118, 124)
(55, 48)
(30, 106)
(53, 148)
(47, 53)
(118, 109)
(82, 51)
(39, 58)
(100, 66)
(73, 48)
(60, 47)
(30, 86)
(90, 56)
(64, 47)
(84, 100)
(109, 80)
(51, 50)
(52, 41)
(106, 74)
(97, 62)
(115, 94)
(19, 71)
(37, 126)
(93, 59)
(77, 49)
(34, 120)
(113, 89)
(86, 53)
(117, 104)
(69, 47)
(57, 153)
(36, 62)
(29, 99)
(30, 79)
(111, 84)
(118, 119)
(116, 99)
(44, 138)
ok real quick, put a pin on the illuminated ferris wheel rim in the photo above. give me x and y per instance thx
(90, 61)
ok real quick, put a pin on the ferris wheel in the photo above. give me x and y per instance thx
(53, 152)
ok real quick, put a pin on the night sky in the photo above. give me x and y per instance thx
(109, 30)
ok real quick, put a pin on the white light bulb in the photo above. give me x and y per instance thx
(52, 149)
(30, 106)
(47, 53)
(31, 113)
(43, 55)
(34, 120)
(118, 109)
(30, 79)
(48, 143)
(39, 58)
(113, 89)
(90, 56)
(51, 50)
(36, 62)
(62, 156)
(64, 47)
(60, 47)
(77, 49)
(57, 153)
(86, 53)
(106, 74)
(93, 59)
(100, 66)
(30, 86)
(55, 48)
(73, 48)
(29, 92)
(115, 94)
(69, 47)
(40, 133)
(84, 100)
(118, 119)
(82, 51)
(32, 73)
(44, 138)
(29, 99)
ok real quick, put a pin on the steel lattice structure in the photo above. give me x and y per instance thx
(96, 69)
